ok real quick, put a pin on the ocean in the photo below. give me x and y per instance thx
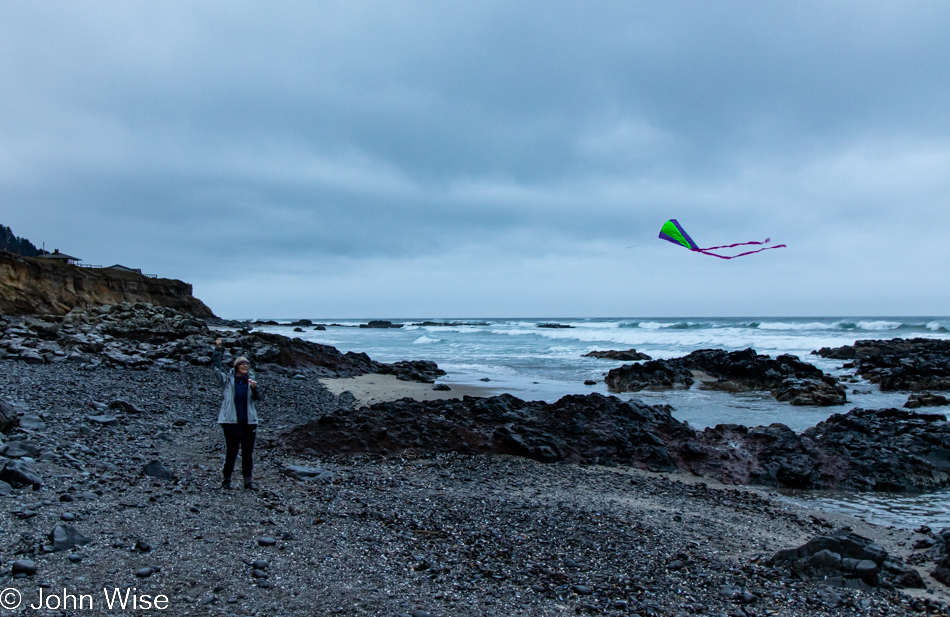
(546, 363)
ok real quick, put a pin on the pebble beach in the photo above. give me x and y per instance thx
(404, 535)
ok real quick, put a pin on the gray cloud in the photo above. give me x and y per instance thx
(351, 151)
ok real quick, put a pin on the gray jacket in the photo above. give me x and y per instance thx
(228, 413)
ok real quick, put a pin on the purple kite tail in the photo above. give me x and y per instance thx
(706, 251)
(729, 246)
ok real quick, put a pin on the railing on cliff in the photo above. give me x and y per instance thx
(94, 267)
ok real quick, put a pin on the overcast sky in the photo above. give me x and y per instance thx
(487, 159)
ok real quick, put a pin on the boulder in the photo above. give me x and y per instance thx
(122, 405)
(380, 323)
(65, 537)
(19, 449)
(747, 370)
(8, 416)
(899, 364)
(650, 374)
(423, 371)
(926, 399)
(631, 355)
(103, 420)
(157, 469)
(23, 566)
(19, 473)
(815, 392)
(845, 559)
(307, 473)
(31, 422)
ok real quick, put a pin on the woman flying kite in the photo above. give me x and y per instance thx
(673, 232)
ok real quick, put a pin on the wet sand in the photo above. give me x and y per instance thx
(375, 388)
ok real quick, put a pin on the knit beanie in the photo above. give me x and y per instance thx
(240, 359)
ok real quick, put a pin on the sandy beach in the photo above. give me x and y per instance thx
(375, 388)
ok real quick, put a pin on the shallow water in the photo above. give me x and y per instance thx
(546, 363)
(905, 511)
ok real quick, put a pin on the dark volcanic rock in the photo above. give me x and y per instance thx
(125, 406)
(819, 392)
(650, 374)
(157, 469)
(590, 429)
(747, 370)
(380, 323)
(938, 546)
(899, 364)
(845, 559)
(8, 416)
(631, 355)
(65, 537)
(877, 450)
(414, 370)
(142, 336)
(19, 473)
(454, 324)
(926, 399)
(104, 419)
(787, 377)
(23, 566)
(882, 450)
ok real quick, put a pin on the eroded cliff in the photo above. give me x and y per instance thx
(35, 287)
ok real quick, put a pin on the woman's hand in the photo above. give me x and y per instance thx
(252, 383)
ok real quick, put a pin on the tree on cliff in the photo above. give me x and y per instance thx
(20, 246)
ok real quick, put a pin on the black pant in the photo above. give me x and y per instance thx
(239, 436)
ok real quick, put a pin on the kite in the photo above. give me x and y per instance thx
(673, 232)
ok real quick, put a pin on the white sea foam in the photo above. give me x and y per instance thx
(491, 369)
(425, 340)
(879, 325)
(782, 325)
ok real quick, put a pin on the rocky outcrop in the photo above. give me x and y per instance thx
(815, 392)
(630, 355)
(935, 548)
(926, 399)
(142, 336)
(869, 450)
(882, 450)
(651, 374)
(786, 377)
(748, 370)
(452, 324)
(40, 287)
(898, 364)
(425, 371)
(845, 559)
(584, 429)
